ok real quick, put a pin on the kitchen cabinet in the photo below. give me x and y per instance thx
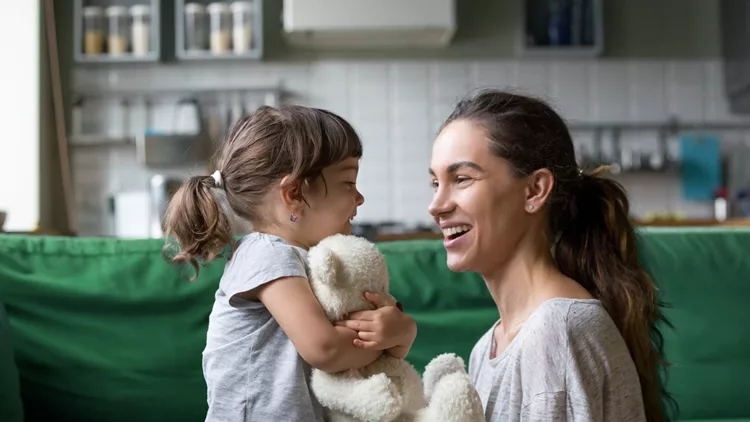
(219, 30)
(561, 28)
(735, 49)
(112, 31)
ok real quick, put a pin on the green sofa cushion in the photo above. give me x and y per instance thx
(107, 331)
(704, 277)
(11, 407)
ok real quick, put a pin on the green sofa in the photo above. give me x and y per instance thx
(104, 330)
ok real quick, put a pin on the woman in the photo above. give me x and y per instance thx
(558, 254)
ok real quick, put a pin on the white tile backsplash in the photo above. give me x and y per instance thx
(686, 91)
(610, 91)
(648, 91)
(397, 107)
(570, 90)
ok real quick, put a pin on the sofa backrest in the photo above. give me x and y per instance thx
(106, 330)
(704, 278)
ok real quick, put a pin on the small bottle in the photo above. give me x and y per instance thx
(242, 26)
(117, 38)
(141, 29)
(196, 39)
(720, 204)
(93, 30)
(220, 28)
(743, 203)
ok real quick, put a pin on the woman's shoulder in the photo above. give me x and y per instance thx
(571, 316)
(563, 326)
(579, 331)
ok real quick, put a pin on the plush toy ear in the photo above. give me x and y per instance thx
(327, 267)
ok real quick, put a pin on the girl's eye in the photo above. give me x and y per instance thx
(434, 184)
(461, 179)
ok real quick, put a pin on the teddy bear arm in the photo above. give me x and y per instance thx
(454, 400)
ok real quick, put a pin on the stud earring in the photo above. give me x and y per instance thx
(531, 207)
(293, 218)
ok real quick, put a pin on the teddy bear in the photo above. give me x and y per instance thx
(342, 268)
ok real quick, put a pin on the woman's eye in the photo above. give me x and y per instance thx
(461, 179)
(434, 184)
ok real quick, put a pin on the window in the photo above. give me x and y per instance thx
(20, 113)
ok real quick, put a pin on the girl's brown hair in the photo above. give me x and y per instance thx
(592, 239)
(261, 149)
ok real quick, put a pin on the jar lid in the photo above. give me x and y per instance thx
(93, 11)
(140, 10)
(218, 7)
(242, 6)
(117, 11)
(194, 8)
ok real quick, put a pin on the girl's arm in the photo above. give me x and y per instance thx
(321, 344)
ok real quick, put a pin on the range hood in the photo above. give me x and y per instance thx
(369, 23)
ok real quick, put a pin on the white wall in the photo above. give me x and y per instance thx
(19, 114)
(397, 107)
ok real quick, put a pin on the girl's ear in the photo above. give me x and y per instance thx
(291, 193)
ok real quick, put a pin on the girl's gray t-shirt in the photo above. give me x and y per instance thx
(252, 370)
(567, 363)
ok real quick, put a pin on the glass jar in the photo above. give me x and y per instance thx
(93, 30)
(195, 28)
(220, 27)
(140, 29)
(242, 26)
(119, 30)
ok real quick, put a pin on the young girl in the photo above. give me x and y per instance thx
(292, 172)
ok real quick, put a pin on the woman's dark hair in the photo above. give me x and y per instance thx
(260, 150)
(593, 240)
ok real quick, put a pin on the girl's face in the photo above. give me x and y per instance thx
(333, 201)
(478, 203)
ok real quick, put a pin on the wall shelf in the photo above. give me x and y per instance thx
(205, 53)
(273, 93)
(560, 28)
(91, 141)
(97, 42)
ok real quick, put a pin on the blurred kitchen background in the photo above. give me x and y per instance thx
(135, 95)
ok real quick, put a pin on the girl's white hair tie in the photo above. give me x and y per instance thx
(218, 182)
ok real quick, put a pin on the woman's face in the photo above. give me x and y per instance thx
(478, 203)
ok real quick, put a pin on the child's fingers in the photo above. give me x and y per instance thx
(380, 299)
(356, 325)
(363, 315)
(366, 344)
(368, 336)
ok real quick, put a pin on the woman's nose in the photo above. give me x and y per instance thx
(440, 204)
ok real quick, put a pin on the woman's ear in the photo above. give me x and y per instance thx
(540, 184)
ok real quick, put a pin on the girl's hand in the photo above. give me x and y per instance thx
(386, 328)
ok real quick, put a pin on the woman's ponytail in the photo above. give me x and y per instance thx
(596, 245)
(196, 220)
